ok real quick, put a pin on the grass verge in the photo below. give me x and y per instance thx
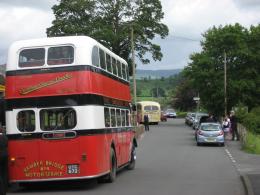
(252, 143)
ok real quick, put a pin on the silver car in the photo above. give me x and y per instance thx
(210, 133)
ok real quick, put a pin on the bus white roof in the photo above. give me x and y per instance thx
(148, 103)
(77, 41)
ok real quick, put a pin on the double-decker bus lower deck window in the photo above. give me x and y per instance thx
(127, 118)
(107, 117)
(58, 119)
(113, 117)
(123, 118)
(118, 118)
(60, 55)
(26, 121)
(32, 57)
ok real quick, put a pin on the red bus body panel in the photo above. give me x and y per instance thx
(39, 159)
(76, 82)
(48, 159)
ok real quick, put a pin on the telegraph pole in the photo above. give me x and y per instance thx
(133, 62)
(225, 82)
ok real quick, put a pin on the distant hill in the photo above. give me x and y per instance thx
(156, 73)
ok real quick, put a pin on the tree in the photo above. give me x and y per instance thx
(206, 70)
(110, 22)
(183, 98)
(158, 92)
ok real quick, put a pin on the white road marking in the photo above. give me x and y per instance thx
(236, 165)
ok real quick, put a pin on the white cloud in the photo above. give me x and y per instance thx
(19, 23)
(193, 17)
(22, 19)
(36, 4)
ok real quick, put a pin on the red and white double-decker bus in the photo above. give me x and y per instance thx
(67, 111)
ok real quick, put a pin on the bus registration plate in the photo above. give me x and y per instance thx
(73, 169)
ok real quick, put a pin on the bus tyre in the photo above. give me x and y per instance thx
(131, 165)
(111, 177)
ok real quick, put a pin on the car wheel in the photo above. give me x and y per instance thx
(198, 144)
(131, 165)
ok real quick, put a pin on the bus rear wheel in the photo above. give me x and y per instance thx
(111, 177)
(131, 165)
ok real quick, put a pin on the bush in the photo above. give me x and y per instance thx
(252, 120)
(181, 114)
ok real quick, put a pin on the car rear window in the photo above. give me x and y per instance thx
(210, 127)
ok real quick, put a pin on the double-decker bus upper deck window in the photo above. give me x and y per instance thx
(57, 119)
(108, 62)
(127, 73)
(102, 59)
(114, 66)
(25, 121)
(60, 55)
(119, 69)
(95, 56)
(32, 57)
(123, 71)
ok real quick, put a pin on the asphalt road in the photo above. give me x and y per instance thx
(168, 163)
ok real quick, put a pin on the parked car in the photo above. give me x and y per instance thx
(191, 119)
(196, 121)
(163, 117)
(188, 118)
(170, 113)
(210, 133)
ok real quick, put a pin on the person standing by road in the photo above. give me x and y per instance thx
(233, 121)
(226, 126)
(146, 122)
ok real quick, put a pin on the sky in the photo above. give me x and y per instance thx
(187, 20)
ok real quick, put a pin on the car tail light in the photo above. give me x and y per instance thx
(221, 133)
